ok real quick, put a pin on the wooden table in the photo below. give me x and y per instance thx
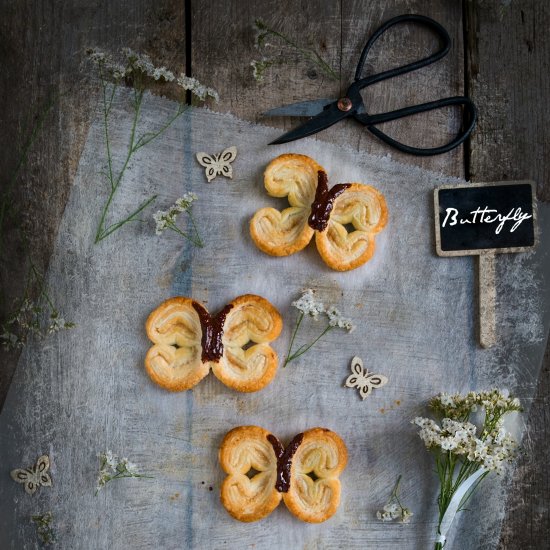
(499, 58)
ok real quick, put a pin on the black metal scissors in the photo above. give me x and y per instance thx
(326, 112)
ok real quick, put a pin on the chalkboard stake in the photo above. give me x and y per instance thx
(487, 299)
(485, 219)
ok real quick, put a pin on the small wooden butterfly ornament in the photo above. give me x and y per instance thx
(218, 165)
(35, 476)
(362, 379)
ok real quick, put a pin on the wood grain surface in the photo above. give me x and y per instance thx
(508, 78)
(500, 57)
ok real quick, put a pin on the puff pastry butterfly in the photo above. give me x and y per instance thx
(218, 165)
(261, 473)
(188, 342)
(344, 219)
(362, 379)
(35, 476)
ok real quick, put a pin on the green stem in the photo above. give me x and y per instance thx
(133, 146)
(298, 323)
(177, 230)
(101, 231)
(131, 218)
(304, 349)
(200, 244)
(147, 138)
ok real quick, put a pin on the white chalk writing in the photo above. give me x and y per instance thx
(488, 216)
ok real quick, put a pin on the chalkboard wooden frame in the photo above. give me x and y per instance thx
(481, 251)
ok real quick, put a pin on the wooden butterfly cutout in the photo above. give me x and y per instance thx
(35, 476)
(188, 342)
(218, 165)
(362, 379)
(344, 219)
(261, 473)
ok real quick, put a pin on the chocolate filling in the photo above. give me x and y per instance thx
(324, 201)
(212, 332)
(284, 460)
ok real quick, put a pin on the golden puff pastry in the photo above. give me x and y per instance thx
(188, 342)
(260, 472)
(314, 208)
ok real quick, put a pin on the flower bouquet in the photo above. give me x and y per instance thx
(466, 451)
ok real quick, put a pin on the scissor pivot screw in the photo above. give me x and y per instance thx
(344, 104)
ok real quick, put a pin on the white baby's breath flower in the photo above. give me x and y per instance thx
(201, 91)
(112, 467)
(10, 340)
(166, 219)
(308, 305)
(393, 509)
(183, 204)
(406, 515)
(336, 319)
(259, 68)
(163, 73)
(139, 65)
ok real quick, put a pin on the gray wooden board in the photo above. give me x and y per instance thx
(85, 390)
(508, 79)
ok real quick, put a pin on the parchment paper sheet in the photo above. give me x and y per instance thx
(85, 390)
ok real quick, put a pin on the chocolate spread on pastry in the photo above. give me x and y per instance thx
(324, 201)
(284, 460)
(212, 332)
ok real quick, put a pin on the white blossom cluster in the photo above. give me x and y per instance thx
(259, 68)
(27, 320)
(459, 406)
(142, 65)
(166, 219)
(308, 305)
(392, 511)
(336, 319)
(113, 467)
(492, 448)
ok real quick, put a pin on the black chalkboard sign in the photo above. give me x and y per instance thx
(485, 218)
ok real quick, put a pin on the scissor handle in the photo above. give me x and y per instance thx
(423, 20)
(469, 120)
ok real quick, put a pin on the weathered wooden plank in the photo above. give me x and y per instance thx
(223, 47)
(507, 60)
(42, 51)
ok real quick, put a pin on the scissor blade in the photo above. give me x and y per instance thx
(302, 108)
(331, 115)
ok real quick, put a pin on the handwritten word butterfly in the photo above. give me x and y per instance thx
(218, 165)
(344, 219)
(261, 473)
(364, 380)
(188, 342)
(35, 476)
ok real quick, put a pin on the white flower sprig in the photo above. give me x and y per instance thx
(138, 65)
(137, 71)
(307, 305)
(461, 448)
(263, 32)
(112, 467)
(37, 317)
(393, 509)
(166, 219)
